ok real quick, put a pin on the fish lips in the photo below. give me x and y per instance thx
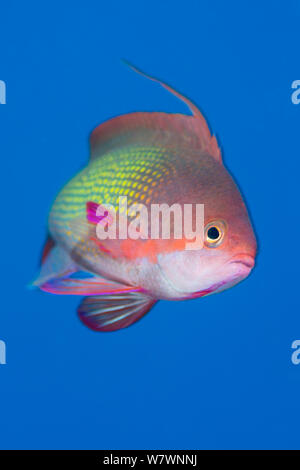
(233, 270)
(242, 265)
(243, 259)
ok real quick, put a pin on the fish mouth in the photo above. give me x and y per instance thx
(243, 259)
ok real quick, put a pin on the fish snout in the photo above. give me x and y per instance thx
(243, 259)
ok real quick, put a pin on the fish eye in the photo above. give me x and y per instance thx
(214, 233)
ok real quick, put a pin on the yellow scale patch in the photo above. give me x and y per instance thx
(134, 172)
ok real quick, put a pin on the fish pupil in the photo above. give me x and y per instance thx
(213, 233)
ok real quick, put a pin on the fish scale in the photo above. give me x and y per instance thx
(104, 181)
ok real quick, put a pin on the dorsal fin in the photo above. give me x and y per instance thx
(148, 128)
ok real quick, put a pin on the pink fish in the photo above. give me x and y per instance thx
(149, 158)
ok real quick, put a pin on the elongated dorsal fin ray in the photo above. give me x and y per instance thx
(151, 128)
(189, 103)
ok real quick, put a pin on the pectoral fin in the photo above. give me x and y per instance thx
(113, 312)
(56, 263)
(60, 274)
(84, 283)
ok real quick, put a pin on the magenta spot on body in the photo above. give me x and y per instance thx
(91, 214)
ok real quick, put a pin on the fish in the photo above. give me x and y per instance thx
(148, 158)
